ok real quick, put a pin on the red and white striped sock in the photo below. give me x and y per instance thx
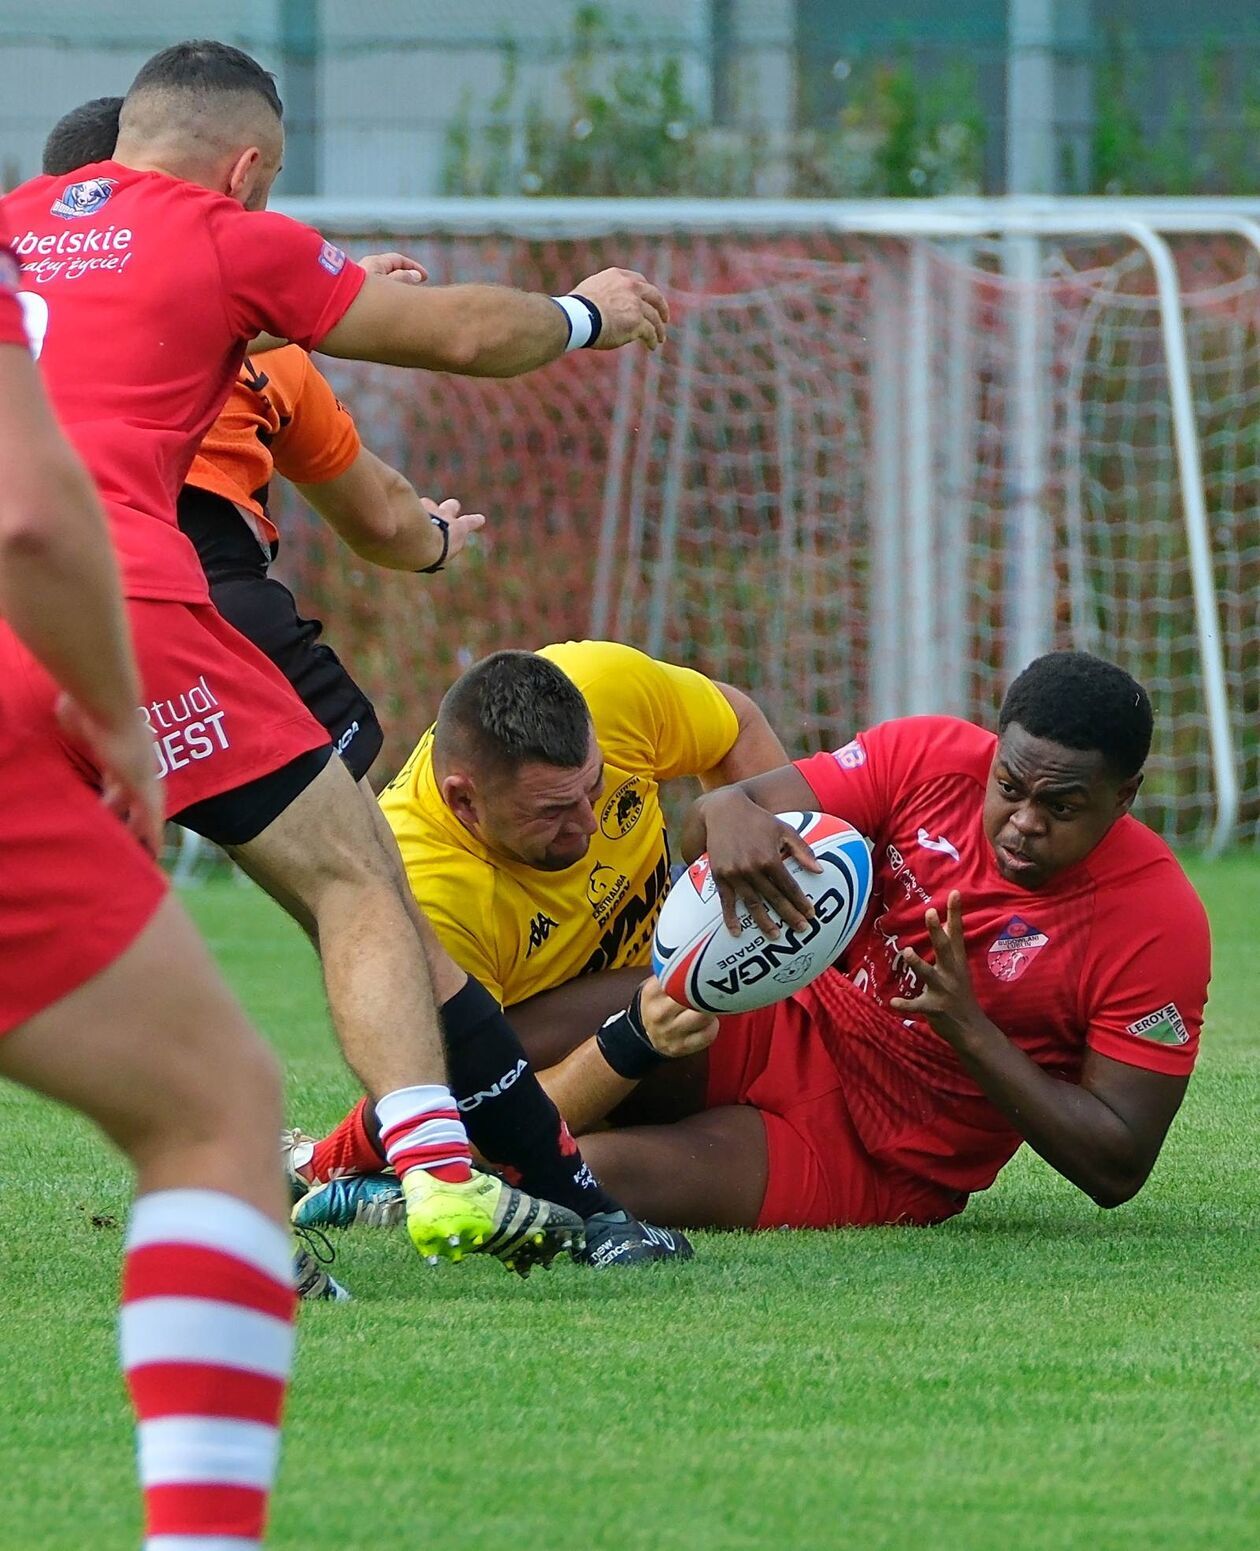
(347, 1149)
(421, 1129)
(207, 1344)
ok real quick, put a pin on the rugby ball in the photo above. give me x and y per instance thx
(700, 964)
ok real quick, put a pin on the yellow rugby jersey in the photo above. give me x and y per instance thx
(520, 930)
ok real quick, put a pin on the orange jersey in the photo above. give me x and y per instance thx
(281, 416)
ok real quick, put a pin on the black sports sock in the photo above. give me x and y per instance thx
(508, 1116)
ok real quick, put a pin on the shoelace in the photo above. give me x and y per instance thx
(317, 1242)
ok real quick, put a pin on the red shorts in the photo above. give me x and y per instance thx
(221, 713)
(820, 1173)
(75, 888)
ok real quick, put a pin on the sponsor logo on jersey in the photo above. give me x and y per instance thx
(79, 199)
(851, 757)
(623, 809)
(332, 258)
(1165, 1027)
(945, 847)
(639, 911)
(540, 928)
(1012, 952)
(605, 889)
(905, 876)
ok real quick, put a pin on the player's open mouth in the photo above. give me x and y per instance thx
(1016, 862)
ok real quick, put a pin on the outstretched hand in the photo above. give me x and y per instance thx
(629, 304)
(948, 999)
(395, 266)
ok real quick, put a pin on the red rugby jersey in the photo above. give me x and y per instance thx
(152, 286)
(1112, 954)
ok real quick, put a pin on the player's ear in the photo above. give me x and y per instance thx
(1126, 792)
(459, 793)
(243, 175)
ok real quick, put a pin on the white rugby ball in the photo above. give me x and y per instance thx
(700, 964)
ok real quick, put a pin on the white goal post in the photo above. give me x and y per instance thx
(893, 450)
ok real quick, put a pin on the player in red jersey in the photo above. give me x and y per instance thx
(150, 271)
(109, 1002)
(282, 416)
(1033, 967)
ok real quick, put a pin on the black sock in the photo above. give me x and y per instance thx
(508, 1116)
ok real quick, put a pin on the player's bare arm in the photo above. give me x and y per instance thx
(1103, 1134)
(377, 513)
(552, 1023)
(756, 748)
(486, 330)
(59, 590)
(747, 846)
(590, 1083)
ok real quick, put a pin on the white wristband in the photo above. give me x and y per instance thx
(581, 324)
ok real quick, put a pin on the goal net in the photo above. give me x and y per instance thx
(870, 475)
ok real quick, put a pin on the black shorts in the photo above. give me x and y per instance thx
(265, 611)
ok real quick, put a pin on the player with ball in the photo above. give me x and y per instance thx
(1032, 967)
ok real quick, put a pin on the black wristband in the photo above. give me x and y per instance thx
(444, 528)
(624, 1044)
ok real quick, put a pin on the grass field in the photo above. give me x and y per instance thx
(1037, 1373)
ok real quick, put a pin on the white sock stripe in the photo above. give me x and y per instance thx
(188, 1450)
(200, 1330)
(199, 1543)
(429, 1133)
(405, 1104)
(215, 1221)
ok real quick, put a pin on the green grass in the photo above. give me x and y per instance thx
(1037, 1373)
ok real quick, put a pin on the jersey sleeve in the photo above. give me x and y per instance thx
(672, 721)
(863, 780)
(319, 439)
(1148, 980)
(852, 782)
(280, 277)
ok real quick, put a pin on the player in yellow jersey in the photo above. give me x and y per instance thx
(540, 863)
(529, 819)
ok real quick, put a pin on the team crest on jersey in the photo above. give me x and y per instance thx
(332, 258)
(84, 198)
(623, 809)
(851, 757)
(1012, 953)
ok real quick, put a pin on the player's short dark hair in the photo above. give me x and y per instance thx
(202, 65)
(86, 134)
(1083, 702)
(512, 708)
